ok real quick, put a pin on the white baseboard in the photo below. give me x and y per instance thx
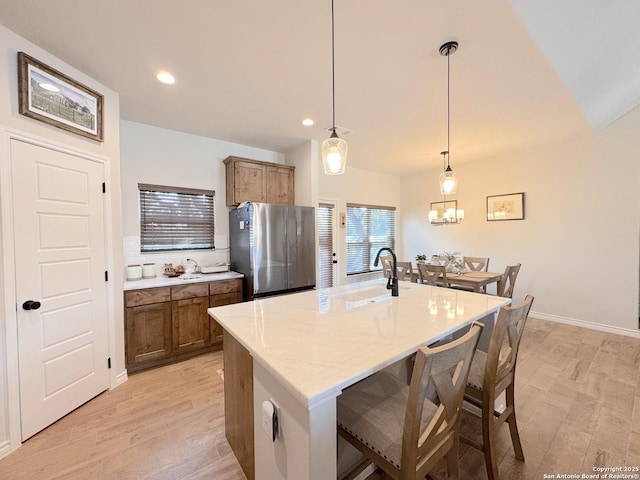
(5, 448)
(120, 379)
(581, 323)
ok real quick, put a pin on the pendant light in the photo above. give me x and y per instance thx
(334, 149)
(448, 180)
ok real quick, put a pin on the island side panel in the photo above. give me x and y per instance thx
(306, 446)
(238, 403)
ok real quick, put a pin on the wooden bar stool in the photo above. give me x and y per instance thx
(406, 429)
(491, 374)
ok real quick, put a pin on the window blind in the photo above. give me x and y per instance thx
(369, 228)
(174, 218)
(326, 221)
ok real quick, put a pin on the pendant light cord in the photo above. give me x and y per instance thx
(448, 102)
(333, 70)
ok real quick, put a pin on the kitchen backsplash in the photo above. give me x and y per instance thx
(132, 255)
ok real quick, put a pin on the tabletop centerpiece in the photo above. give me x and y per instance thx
(420, 258)
(454, 262)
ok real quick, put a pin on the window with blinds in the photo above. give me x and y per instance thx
(369, 228)
(326, 221)
(173, 218)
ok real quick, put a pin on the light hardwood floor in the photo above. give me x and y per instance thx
(577, 399)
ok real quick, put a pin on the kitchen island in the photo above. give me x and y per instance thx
(304, 349)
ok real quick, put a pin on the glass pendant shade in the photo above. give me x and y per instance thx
(448, 182)
(334, 155)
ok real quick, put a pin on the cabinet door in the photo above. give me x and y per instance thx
(218, 301)
(190, 324)
(148, 331)
(280, 186)
(250, 182)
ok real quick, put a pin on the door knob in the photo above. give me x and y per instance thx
(31, 305)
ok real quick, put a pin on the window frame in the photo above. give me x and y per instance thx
(370, 246)
(200, 231)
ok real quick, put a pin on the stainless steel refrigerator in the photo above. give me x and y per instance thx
(274, 246)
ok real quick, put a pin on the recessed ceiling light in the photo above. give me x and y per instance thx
(307, 122)
(48, 86)
(165, 77)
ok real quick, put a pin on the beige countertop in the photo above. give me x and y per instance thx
(318, 342)
(162, 281)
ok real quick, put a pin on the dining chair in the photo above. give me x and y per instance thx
(491, 374)
(508, 282)
(406, 429)
(479, 264)
(435, 275)
(387, 265)
(405, 271)
(439, 260)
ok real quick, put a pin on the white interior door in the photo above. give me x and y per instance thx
(60, 264)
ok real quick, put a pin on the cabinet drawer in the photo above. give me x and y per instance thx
(147, 296)
(225, 286)
(225, 299)
(189, 291)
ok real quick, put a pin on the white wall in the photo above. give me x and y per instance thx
(360, 186)
(11, 120)
(305, 158)
(578, 244)
(166, 157)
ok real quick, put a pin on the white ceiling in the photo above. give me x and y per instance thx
(248, 71)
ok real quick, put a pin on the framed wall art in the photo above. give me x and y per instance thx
(505, 207)
(51, 97)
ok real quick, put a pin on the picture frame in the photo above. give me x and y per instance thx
(440, 208)
(508, 206)
(50, 96)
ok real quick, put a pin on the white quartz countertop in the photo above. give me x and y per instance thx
(162, 281)
(320, 341)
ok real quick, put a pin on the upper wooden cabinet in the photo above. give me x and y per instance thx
(255, 181)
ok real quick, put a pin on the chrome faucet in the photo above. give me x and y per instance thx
(392, 282)
(196, 267)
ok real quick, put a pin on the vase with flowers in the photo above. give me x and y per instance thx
(454, 262)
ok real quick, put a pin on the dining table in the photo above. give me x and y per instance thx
(474, 279)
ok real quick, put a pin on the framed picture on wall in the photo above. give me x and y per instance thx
(51, 97)
(505, 207)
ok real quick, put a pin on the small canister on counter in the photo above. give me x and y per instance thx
(134, 272)
(149, 270)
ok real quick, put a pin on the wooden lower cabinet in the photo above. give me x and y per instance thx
(168, 324)
(223, 292)
(190, 324)
(148, 332)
